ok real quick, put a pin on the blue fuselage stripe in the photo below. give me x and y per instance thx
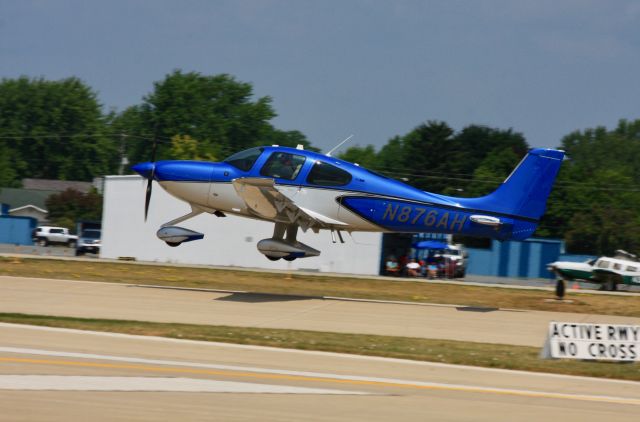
(405, 216)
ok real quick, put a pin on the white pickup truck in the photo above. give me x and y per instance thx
(47, 235)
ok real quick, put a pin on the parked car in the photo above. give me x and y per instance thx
(452, 258)
(47, 235)
(457, 255)
(89, 241)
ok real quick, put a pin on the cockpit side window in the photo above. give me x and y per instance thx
(325, 174)
(283, 165)
(244, 160)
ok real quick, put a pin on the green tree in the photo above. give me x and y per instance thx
(463, 163)
(474, 144)
(595, 204)
(612, 221)
(364, 156)
(186, 148)
(65, 208)
(492, 171)
(8, 170)
(291, 138)
(391, 158)
(54, 129)
(435, 158)
(426, 152)
(217, 111)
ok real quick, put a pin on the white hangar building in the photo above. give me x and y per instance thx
(228, 241)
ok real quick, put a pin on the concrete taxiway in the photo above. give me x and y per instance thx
(57, 374)
(120, 301)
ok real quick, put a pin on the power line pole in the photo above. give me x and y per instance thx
(123, 157)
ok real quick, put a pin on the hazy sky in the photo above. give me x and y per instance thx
(370, 68)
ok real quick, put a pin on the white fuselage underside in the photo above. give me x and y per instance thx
(213, 197)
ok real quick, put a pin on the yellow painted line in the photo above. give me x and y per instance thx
(408, 385)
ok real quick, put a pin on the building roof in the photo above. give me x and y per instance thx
(56, 185)
(24, 207)
(17, 198)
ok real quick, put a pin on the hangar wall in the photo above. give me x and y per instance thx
(17, 230)
(511, 258)
(228, 241)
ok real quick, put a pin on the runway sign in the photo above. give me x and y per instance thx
(611, 342)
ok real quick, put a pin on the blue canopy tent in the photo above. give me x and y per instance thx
(429, 244)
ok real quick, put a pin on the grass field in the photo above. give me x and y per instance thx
(446, 351)
(312, 285)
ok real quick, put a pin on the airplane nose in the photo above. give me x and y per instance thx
(144, 169)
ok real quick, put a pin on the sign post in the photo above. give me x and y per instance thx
(610, 342)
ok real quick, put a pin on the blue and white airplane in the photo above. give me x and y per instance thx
(298, 189)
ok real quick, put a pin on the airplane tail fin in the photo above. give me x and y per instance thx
(524, 193)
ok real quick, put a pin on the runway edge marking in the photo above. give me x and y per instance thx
(262, 373)
(315, 352)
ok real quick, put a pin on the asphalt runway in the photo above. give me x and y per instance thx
(57, 374)
(121, 301)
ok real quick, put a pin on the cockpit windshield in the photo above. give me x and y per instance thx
(244, 160)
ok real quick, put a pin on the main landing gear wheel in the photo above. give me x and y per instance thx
(173, 244)
(611, 284)
(560, 289)
(272, 258)
(289, 258)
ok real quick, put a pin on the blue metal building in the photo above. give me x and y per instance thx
(17, 230)
(527, 258)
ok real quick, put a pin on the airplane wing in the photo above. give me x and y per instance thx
(264, 199)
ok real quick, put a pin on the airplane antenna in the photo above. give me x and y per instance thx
(328, 154)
